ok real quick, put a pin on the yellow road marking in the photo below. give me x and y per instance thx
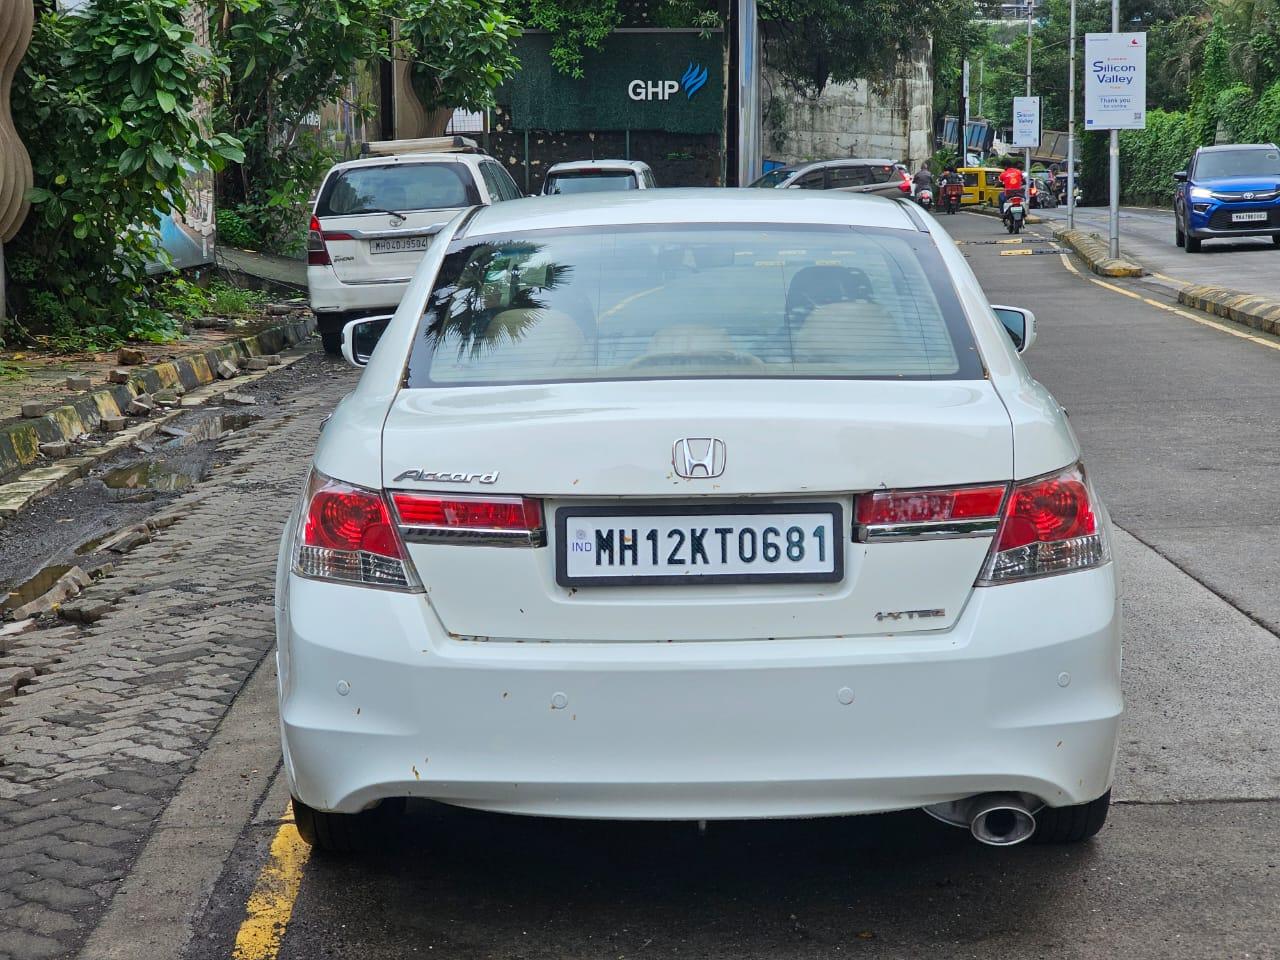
(1016, 253)
(271, 904)
(1203, 321)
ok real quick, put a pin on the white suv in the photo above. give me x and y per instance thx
(597, 176)
(372, 220)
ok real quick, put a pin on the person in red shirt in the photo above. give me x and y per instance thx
(1011, 180)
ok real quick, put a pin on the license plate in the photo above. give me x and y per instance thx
(1250, 216)
(742, 543)
(399, 245)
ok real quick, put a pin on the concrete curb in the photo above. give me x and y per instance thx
(18, 495)
(20, 440)
(1093, 250)
(1260, 313)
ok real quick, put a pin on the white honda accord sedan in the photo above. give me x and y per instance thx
(698, 504)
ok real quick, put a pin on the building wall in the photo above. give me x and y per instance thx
(852, 120)
(677, 159)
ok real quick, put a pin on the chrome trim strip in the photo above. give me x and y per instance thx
(477, 537)
(367, 283)
(928, 530)
(429, 231)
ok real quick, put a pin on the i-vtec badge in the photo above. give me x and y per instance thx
(446, 476)
(910, 614)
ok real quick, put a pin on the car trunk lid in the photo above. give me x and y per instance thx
(786, 443)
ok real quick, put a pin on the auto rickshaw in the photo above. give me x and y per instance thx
(981, 185)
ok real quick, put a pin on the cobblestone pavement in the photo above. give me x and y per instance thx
(115, 713)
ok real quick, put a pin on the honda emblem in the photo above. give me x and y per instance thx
(697, 457)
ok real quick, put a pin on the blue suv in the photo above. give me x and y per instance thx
(1231, 190)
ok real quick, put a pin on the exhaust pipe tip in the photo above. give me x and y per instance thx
(1002, 822)
(995, 819)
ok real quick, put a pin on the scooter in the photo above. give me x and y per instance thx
(1014, 212)
(924, 197)
(951, 195)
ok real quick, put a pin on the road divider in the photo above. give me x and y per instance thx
(1250, 310)
(1092, 249)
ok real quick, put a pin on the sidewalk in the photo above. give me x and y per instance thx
(45, 419)
(45, 374)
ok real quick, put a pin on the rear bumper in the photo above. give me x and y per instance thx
(1023, 694)
(327, 294)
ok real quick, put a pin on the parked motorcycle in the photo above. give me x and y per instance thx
(1014, 212)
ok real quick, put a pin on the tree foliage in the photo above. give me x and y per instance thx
(105, 102)
(462, 51)
(576, 25)
(814, 42)
(286, 61)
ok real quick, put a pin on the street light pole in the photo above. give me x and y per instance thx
(1115, 160)
(1027, 157)
(1071, 125)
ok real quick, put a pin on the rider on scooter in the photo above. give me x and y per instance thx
(1011, 180)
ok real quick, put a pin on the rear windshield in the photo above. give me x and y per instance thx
(590, 181)
(396, 188)
(633, 303)
(1238, 163)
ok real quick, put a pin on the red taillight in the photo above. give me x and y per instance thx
(317, 252)
(1044, 511)
(495, 521)
(1050, 525)
(346, 534)
(905, 185)
(468, 513)
(928, 506)
(344, 518)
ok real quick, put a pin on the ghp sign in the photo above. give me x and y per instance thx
(693, 80)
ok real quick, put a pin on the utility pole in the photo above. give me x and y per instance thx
(982, 73)
(1114, 232)
(1071, 125)
(964, 117)
(1026, 169)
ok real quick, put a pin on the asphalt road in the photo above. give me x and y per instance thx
(1175, 416)
(1248, 264)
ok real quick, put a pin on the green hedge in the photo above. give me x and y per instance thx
(1149, 158)
(1249, 119)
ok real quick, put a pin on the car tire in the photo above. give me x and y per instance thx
(330, 325)
(331, 340)
(1191, 244)
(1275, 238)
(1073, 824)
(1179, 238)
(345, 832)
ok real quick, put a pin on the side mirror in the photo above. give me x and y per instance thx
(1020, 324)
(359, 337)
(1181, 176)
